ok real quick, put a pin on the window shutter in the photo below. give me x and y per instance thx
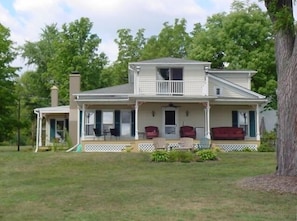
(67, 124)
(52, 129)
(252, 124)
(117, 120)
(99, 121)
(133, 123)
(234, 118)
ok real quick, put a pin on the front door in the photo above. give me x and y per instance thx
(170, 123)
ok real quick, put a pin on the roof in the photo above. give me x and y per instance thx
(227, 71)
(118, 89)
(170, 60)
(58, 109)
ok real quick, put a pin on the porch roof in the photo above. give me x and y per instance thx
(48, 110)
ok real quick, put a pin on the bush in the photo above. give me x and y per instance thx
(160, 156)
(207, 154)
(266, 148)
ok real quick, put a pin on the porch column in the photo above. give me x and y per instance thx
(207, 120)
(83, 121)
(40, 130)
(37, 132)
(136, 120)
(258, 123)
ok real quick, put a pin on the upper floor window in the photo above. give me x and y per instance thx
(169, 74)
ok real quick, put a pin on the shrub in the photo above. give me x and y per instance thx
(207, 154)
(160, 156)
(266, 148)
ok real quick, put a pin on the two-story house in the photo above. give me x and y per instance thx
(167, 93)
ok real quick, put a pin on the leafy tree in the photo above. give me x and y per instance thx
(8, 107)
(281, 15)
(130, 49)
(242, 39)
(59, 52)
(172, 41)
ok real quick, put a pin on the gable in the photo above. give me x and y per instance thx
(229, 89)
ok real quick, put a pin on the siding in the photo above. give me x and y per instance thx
(236, 78)
(226, 91)
(193, 76)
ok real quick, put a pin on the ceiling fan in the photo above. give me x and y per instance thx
(172, 105)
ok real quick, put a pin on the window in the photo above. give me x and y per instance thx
(60, 132)
(107, 120)
(170, 81)
(243, 121)
(89, 122)
(218, 91)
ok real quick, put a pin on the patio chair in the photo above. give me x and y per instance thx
(160, 143)
(151, 132)
(204, 143)
(187, 131)
(185, 143)
(114, 132)
(97, 132)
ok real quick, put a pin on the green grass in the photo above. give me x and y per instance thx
(127, 186)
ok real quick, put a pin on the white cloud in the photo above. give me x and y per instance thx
(26, 18)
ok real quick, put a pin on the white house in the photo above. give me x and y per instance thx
(166, 93)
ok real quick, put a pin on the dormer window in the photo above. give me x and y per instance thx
(218, 91)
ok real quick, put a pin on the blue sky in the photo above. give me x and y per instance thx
(26, 18)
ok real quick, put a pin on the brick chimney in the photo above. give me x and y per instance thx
(74, 87)
(54, 96)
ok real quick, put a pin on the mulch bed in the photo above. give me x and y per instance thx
(270, 183)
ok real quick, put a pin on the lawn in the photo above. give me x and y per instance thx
(127, 186)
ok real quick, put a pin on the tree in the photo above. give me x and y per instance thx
(130, 49)
(8, 98)
(172, 41)
(281, 15)
(59, 52)
(241, 39)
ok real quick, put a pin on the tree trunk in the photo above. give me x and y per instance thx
(287, 105)
(281, 14)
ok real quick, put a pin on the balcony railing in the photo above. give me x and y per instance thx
(170, 87)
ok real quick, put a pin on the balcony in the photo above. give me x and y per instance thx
(171, 88)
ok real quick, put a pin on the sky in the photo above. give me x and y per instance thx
(27, 18)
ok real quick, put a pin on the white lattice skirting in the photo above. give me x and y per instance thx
(104, 147)
(149, 147)
(237, 147)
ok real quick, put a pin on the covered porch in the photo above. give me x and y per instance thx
(168, 115)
